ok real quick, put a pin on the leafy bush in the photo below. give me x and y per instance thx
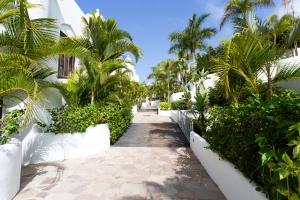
(255, 137)
(200, 108)
(78, 119)
(217, 95)
(164, 106)
(119, 117)
(9, 125)
(180, 105)
(74, 119)
(197, 127)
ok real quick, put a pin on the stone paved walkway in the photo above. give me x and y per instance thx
(151, 161)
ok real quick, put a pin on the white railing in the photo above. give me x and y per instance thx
(185, 123)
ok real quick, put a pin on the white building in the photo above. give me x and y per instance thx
(130, 66)
(68, 16)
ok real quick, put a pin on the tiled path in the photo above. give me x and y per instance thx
(151, 161)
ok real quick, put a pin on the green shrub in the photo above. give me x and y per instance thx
(10, 125)
(74, 119)
(217, 96)
(197, 127)
(78, 119)
(119, 117)
(164, 106)
(180, 105)
(255, 137)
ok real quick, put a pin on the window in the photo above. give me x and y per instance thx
(65, 63)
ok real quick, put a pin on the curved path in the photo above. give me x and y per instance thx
(151, 161)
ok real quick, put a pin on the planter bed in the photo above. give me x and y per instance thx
(10, 169)
(41, 147)
(231, 182)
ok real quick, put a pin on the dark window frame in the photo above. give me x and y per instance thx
(66, 64)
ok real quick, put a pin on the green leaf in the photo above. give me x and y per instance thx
(282, 191)
(287, 159)
(296, 151)
(283, 173)
(294, 196)
(266, 157)
(297, 163)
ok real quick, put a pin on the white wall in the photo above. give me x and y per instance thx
(38, 147)
(231, 182)
(176, 96)
(291, 84)
(68, 16)
(10, 169)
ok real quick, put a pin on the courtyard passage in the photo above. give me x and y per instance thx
(151, 160)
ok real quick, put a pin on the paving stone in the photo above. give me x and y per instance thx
(152, 161)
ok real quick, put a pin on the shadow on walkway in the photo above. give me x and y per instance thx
(191, 182)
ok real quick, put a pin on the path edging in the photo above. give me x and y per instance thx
(233, 184)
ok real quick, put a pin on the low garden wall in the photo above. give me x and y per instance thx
(10, 169)
(134, 109)
(231, 181)
(38, 147)
(173, 114)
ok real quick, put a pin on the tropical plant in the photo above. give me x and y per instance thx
(239, 11)
(165, 77)
(193, 37)
(106, 44)
(25, 45)
(201, 107)
(10, 125)
(255, 136)
(246, 57)
(164, 106)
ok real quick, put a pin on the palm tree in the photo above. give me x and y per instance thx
(7, 9)
(238, 11)
(107, 44)
(243, 58)
(25, 45)
(165, 77)
(193, 37)
(181, 68)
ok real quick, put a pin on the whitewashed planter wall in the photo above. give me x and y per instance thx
(134, 109)
(173, 114)
(231, 182)
(41, 147)
(10, 169)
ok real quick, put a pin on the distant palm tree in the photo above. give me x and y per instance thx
(237, 11)
(165, 76)
(193, 37)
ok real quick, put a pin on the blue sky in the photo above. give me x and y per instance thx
(150, 22)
